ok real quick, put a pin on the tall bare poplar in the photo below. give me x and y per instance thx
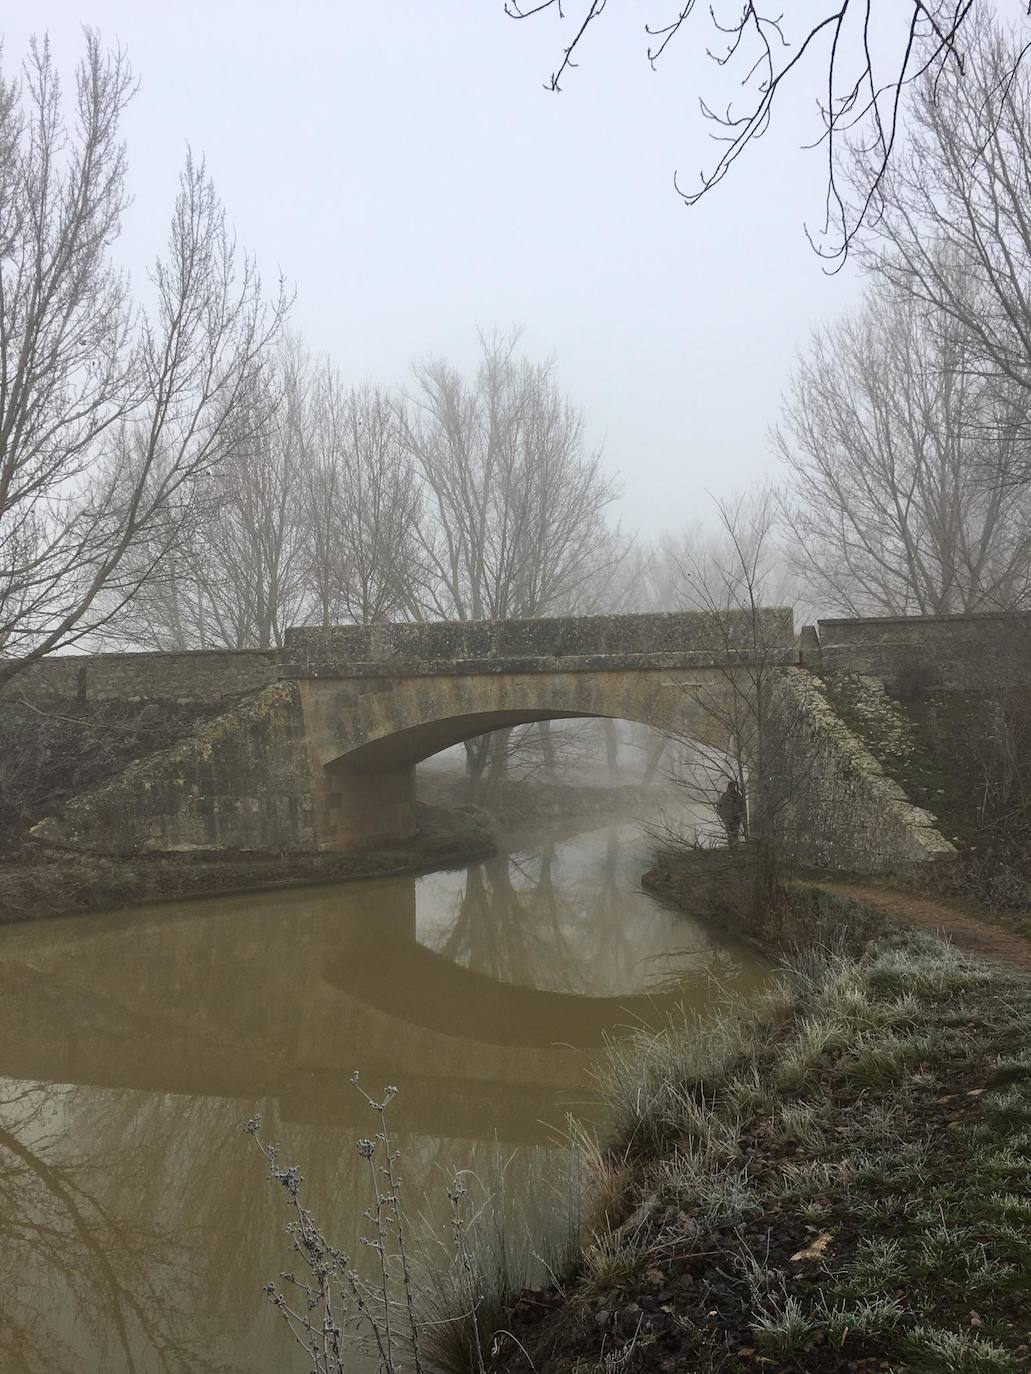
(516, 501)
(361, 504)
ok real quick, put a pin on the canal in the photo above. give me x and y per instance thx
(137, 1230)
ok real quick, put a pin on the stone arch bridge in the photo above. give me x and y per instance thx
(370, 720)
(315, 748)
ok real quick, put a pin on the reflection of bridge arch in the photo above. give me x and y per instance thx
(282, 995)
(58, 1032)
(483, 982)
(426, 990)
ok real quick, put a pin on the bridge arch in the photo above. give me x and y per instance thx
(364, 745)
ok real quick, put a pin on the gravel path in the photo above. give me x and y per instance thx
(962, 926)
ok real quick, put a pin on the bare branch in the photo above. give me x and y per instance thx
(858, 57)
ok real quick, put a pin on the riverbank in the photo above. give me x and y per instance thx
(838, 1180)
(454, 830)
(65, 884)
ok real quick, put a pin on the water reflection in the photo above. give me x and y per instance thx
(136, 1232)
(565, 918)
(76, 1273)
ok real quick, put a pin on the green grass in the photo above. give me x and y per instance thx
(839, 1182)
(936, 1351)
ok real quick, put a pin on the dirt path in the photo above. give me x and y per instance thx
(963, 927)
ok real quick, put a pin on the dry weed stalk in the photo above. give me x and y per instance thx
(336, 1312)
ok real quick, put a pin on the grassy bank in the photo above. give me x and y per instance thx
(838, 1180)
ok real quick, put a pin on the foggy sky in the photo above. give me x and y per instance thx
(401, 163)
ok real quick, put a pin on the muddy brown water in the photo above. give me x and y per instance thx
(136, 1228)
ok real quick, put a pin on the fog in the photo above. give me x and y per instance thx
(407, 171)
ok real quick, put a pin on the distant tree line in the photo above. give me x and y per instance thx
(459, 497)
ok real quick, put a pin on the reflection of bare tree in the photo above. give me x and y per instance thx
(565, 919)
(509, 932)
(188, 1184)
(197, 1174)
(78, 1275)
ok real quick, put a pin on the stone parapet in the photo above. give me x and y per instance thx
(389, 670)
(199, 676)
(948, 652)
(571, 643)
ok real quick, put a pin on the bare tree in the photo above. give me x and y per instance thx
(759, 704)
(109, 416)
(310, 514)
(903, 496)
(515, 504)
(951, 227)
(361, 504)
(855, 57)
(728, 579)
(132, 1286)
(235, 576)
